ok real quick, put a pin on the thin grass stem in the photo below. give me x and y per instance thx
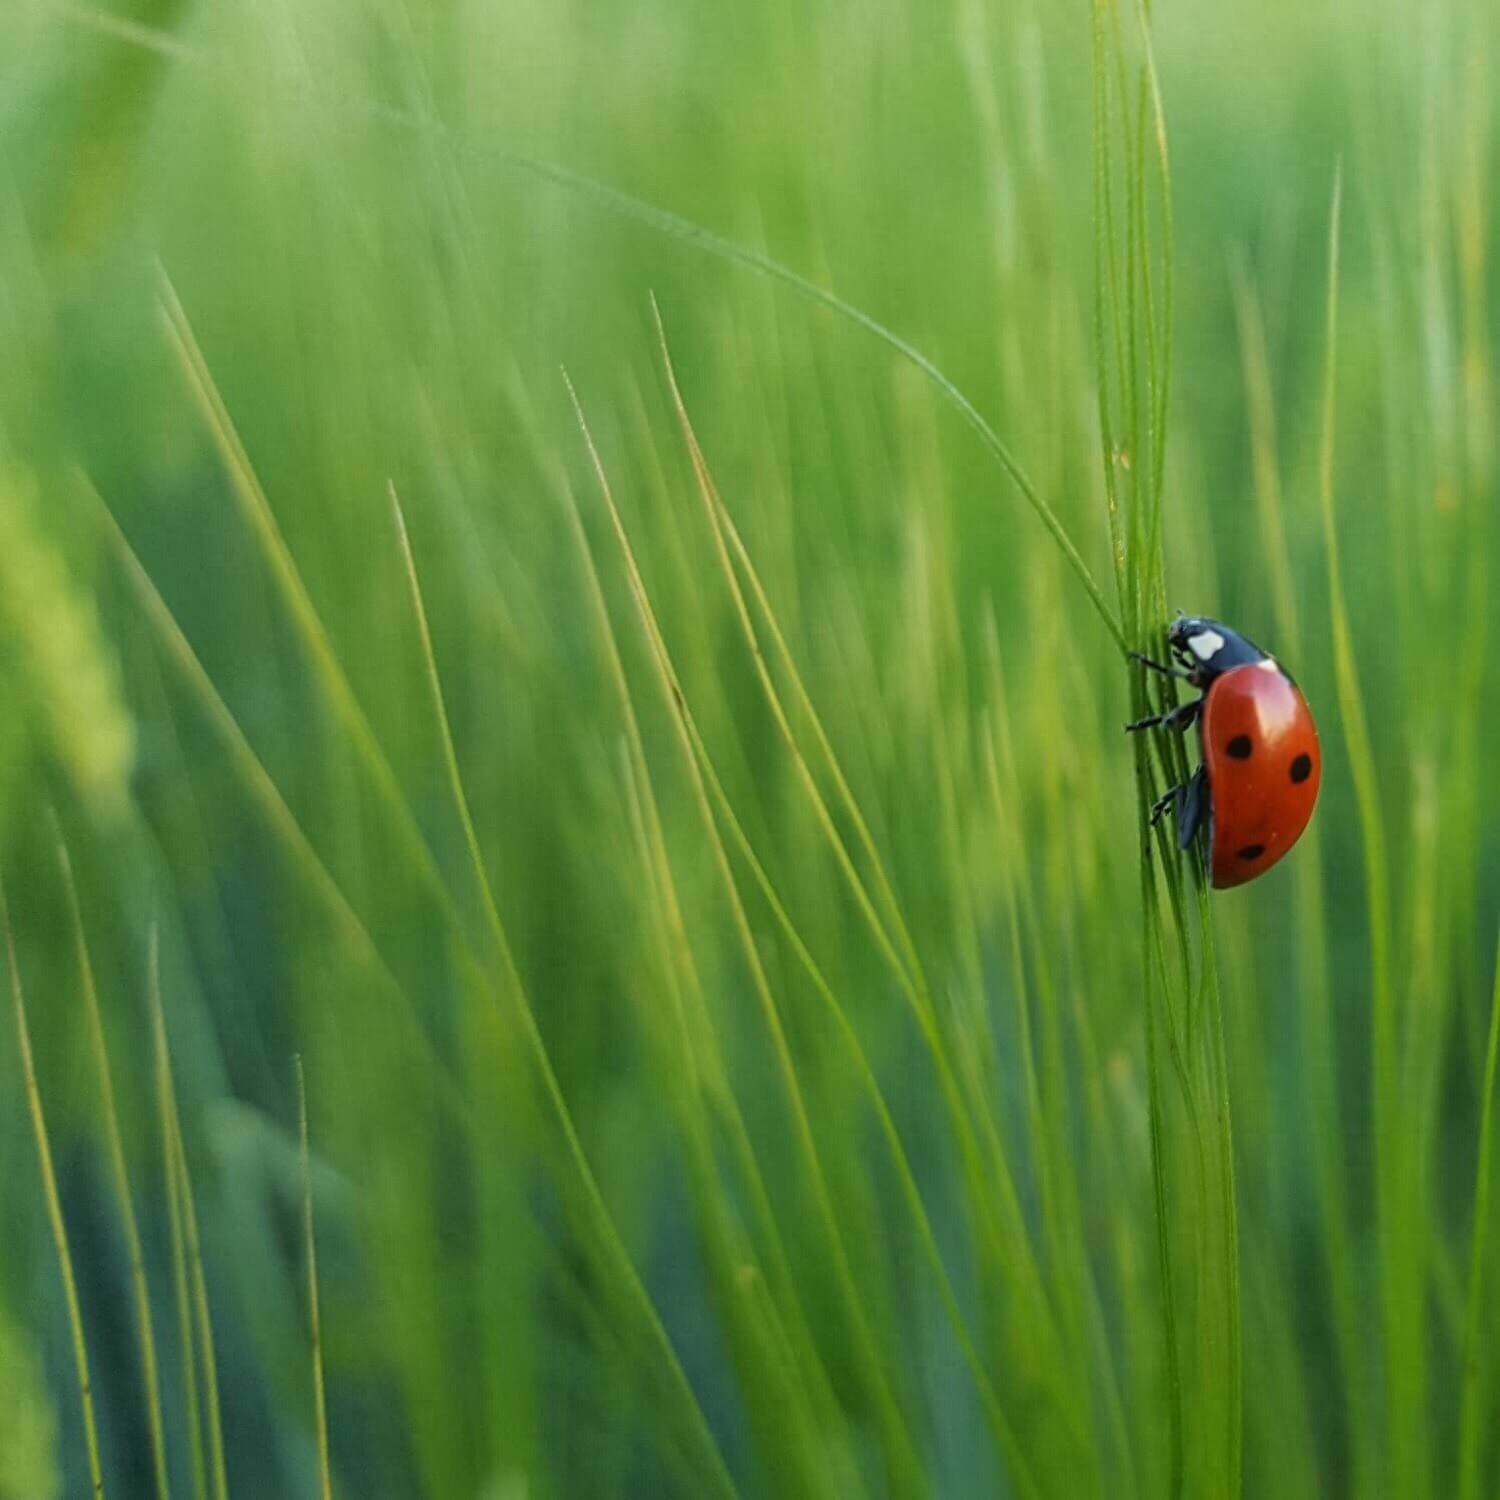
(314, 1316)
(196, 1278)
(53, 1201)
(115, 1149)
(1472, 1425)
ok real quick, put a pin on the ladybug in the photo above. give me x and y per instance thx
(1254, 790)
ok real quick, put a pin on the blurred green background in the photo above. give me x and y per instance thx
(795, 1087)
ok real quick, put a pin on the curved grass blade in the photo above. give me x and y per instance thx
(696, 236)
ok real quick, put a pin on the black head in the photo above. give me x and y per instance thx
(1208, 648)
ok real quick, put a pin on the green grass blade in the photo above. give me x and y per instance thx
(182, 1292)
(196, 1277)
(54, 1207)
(1404, 1359)
(293, 591)
(1228, 1203)
(1473, 1366)
(1134, 288)
(115, 1149)
(1326, 1131)
(1171, 1348)
(314, 1317)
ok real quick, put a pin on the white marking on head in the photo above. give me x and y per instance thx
(1206, 644)
(1268, 665)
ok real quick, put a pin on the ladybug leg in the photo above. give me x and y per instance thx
(1191, 804)
(1194, 808)
(1178, 718)
(1162, 803)
(1156, 666)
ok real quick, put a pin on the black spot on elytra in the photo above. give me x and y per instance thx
(1251, 851)
(1302, 767)
(1240, 747)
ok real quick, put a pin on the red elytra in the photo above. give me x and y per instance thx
(1255, 790)
(1260, 746)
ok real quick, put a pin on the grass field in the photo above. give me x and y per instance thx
(564, 578)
